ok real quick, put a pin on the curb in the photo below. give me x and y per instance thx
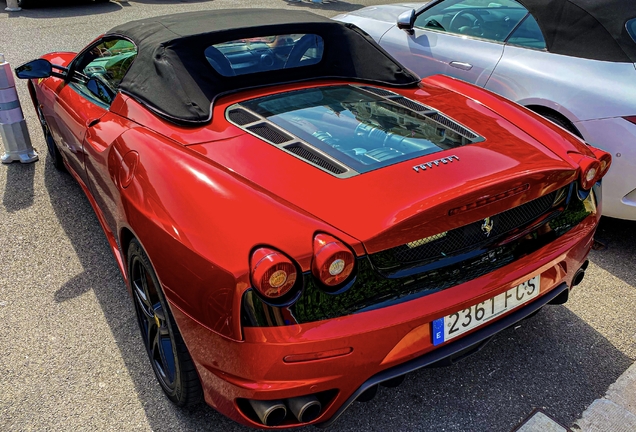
(616, 411)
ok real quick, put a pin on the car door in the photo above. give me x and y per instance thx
(105, 66)
(520, 74)
(85, 96)
(460, 38)
(73, 112)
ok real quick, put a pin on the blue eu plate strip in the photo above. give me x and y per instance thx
(438, 331)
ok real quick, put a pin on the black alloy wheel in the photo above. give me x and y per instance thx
(54, 152)
(168, 354)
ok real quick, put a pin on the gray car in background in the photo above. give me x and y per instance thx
(571, 61)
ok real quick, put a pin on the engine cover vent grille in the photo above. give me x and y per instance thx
(410, 104)
(424, 110)
(241, 117)
(451, 124)
(379, 91)
(269, 133)
(305, 153)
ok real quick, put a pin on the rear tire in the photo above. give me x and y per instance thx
(168, 354)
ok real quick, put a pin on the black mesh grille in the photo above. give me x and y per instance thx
(269, 133)
(372, 292)
(241, 117)
(452, 125)
(312, 157)
(410, 104)
(379, 91)
(463, 239)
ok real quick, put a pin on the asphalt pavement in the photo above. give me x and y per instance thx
(71, 357)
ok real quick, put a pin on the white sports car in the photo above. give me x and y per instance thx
(570, 60)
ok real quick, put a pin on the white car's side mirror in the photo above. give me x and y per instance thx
(406, 20)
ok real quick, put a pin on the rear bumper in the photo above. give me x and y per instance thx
(385, 343)
(460, 348)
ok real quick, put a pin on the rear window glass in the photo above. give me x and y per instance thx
(358, 128)
(262, 54)
(631, 28)
(528, 35)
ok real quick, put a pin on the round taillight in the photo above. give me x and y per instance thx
(273, 274)
(605, 160)
(590, 174)
(590, 169)
(333, 261)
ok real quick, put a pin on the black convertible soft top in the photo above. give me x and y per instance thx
(172, 77)
(593, 29)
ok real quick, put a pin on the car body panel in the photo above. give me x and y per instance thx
(428, 53)
(129, 108)
(181, 192)
(103, 165)
(586, 89)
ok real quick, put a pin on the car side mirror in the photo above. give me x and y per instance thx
(406, 21)
(39, 68)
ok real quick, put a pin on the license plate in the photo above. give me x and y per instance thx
(458, 323)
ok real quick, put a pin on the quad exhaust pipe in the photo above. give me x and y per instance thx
(271, 413)
(305, 408)
(578, 278)
(580, 274)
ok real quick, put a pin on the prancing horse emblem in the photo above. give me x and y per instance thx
(486, 227)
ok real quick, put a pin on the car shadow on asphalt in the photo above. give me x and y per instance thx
(102, 276)
(18, 193)
(554, 360)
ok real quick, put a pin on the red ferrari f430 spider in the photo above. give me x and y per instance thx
(299, 218)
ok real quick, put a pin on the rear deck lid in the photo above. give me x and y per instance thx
(385, 168)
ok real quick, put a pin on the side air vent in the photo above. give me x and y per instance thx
(269, 133)
(452, 125)
(411, 104)
(302, 151)
(378, 91)
(241, 117)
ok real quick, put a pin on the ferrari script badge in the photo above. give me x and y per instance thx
(486, 227)
(437, 162)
